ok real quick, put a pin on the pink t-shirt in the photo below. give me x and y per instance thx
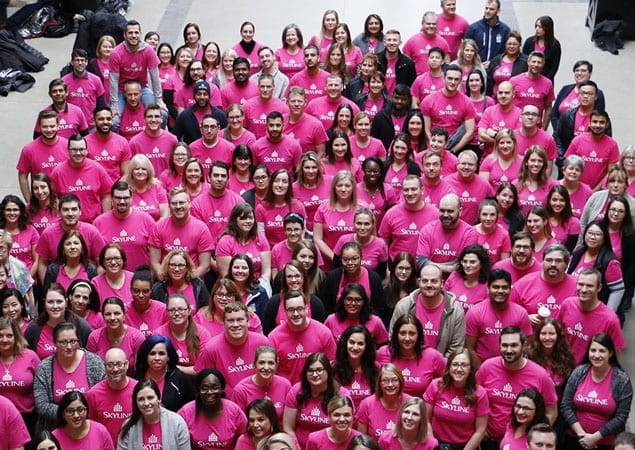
(373, 147)
(247, 391)
(442, 246)
(37, 156)
(43, 219)
(373, 253)
(432, 194)
(131, 233)
(192, 237)
(485, 323)
(229, 246)
(452, 29)
(538, 92)
(232, 93)
(378, 203)
(323, 109)
(294, 347)
(271, 218)
(277, 155)
(467, 296)
(431, 320)
(497, 174)
(502, 386)
(64, 382)
(89, 182)
(594, 404)
(598, 155)
(391, 75)
(401, 227)
(234, 361)
(307, 131)
(151, 435)
(99, 344)
(495, 118)
(220, 432)
(448, 162)
(313, 85)
(418, 46)
(495, 243)
(448, 112)
(334, 223)
(453, 419)
(214, 327)
(289, 64)
(70, 121)
(97, 438)
(65, 279)
(471, 193)
(579, 199)
(527, 198)
(132, 66)
(580, 326)
(374, 325)
(533, 292)
(320, 440)
(83, 93)
(215, 211)
(149, 320)
(110, 407)
(389, 441)
(425, 84)
(417, 373)
(184, 96)
(517, 272)
(331, 169)
(312, 198)
(254, 60)
(510, 442)
(542, 138)
(23, 244)
(376, 417)
(132, 122)
(150, 200)
(221, 150)
(502, 73)
(110, 152)
(156, 148)
(395, 177)
(17, 380)
(256, 114)
(572, 100)
(50, 238)
(310, 416)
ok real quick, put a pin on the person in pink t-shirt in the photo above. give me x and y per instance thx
(144, 314)
(411, 430)
(107, 147)
(505, 376)
(279, 201)
(504, 163)
(257, 108)
(131, 121)
(42, 208)
(15, 221)
(233, 351)
(211, 146)
(153, 142)
(469, 282)
(528, 410)
(533, 88)
(312, 79)
(431, 80)
(42, 154)
(484, 321)
(10, 419)
(115, 333)
(340, 433)
(491, 235)
(71, 118)
(85, 89)
(338, 156)
(564, 224)
(456, 406)
(304, 128)
(530, 134)
(85, 178)
(451, 26)
(110, 400)
(538, 226)
(418, 45)
(533, 180)
(75, 429)
(289, 57)
(323, 40)
(323, 108)
(264, 383)
(311, 186)
(276, 150)
(471, 187)
(241, 88)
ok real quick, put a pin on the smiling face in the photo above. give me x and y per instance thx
(372, 173)
(293, 277)
(548, 337)
(148, 403)
(356, 346)
(280, 184)
(511, 348)
(295, 310)
(505, 199)
(407, 337)
(460, 368)
(259, 424)
(499, 291)
(415, 126)
(7, 341)
(471, 265)
(399, 151)
(113, 316)
(80, 298)
(221, 298)
(390, 384)
(177, 268)
(599, 355)
(594, 237)
(536, 225)
(235, 325)
(266, 366)
(75, 414)
(411, 418)
(247, 32)
(316, 375)
(342, 418)
(193, 174)
(67, 344)
(524, 410)
(240, 271)
(180, 206)
(11, 307)
(179, 311)
(306, 258)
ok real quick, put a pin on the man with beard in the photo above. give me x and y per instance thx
(85, 89)
(323, 108)
(397, 67)
(442, 240)
(275, 150)
(390, 120)
(401, 224)
(437, 309)
(110, 400)
(214, 207)
(598, 150)
(547, 288)
(450, 108)
(233, 351)
(485, 320)
(471, 187)
(109, 149)
(211, 146)
(304, 128)
(85, 177)
(503, 114)
(533, 88)
(312, 79)
(241, 88)
(130, 228)
(154, 142)
(521, 262)
(503, 378)
(42, 154)
(181, 231)
(188, 122)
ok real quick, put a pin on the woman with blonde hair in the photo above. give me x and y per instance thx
(411, 430)
(148, 194)
(177, 276)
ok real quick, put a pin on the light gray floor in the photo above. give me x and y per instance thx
(221, 22)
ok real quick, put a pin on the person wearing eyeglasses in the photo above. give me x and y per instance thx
(184, 95)
(84, 177)
(186, 335)
(232, 352)
(212, 146)
(70, 368)
(110, 400)
(306, 404)
(457, 408)
(75, 431)
(528, 410)
(177, 275)
(115, 333)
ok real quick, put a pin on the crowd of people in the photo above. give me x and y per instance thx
(344, 244)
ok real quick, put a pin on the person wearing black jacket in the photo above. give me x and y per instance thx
(394, 112)
(404, 68)
(187, 127)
